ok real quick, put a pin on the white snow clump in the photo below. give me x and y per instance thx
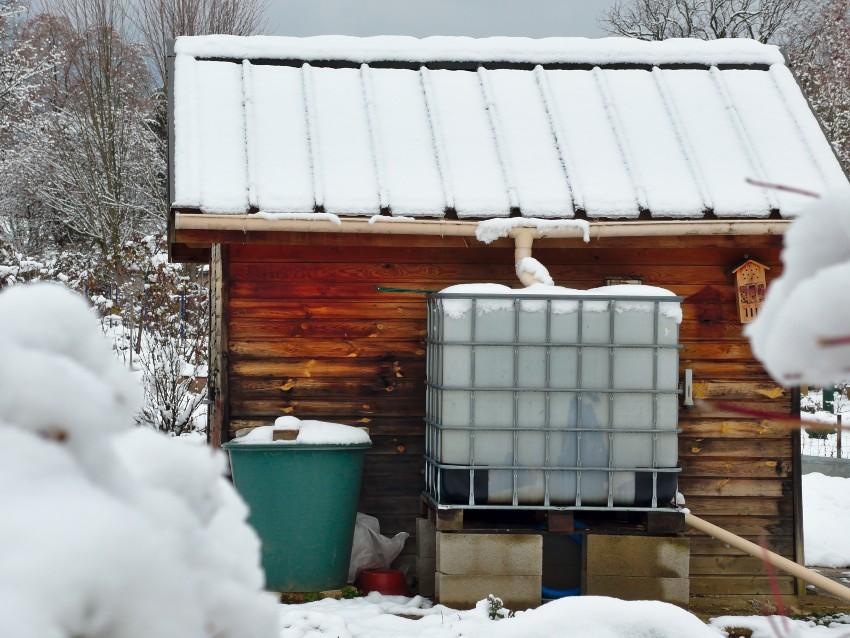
(802, 332)
(530, 271)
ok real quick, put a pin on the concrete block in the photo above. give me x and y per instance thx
(463, 591)
(426, 537)
(670, 590)
(640, 556)
(497, 554)
(425, 576)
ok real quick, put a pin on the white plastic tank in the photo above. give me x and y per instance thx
(611, 366)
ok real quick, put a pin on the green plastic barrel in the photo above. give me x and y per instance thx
(303, 503)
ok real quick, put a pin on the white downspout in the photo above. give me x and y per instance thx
(523, 239)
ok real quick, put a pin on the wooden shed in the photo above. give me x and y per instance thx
(326, 180)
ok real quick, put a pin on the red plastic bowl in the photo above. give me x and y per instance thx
(389, 582)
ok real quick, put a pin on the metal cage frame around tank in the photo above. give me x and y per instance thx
(433, 438)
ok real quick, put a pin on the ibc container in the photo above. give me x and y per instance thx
(549, 397)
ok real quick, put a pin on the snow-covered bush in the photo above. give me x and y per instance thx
(108, 531)
(165, 310)
(802, 333)
(154, 312)
(172, 401)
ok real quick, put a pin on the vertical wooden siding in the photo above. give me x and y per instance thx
(309, 335)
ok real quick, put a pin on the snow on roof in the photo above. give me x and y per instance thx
(491, 128)
(395, 48)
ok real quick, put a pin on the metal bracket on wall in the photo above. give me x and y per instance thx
(689, 388)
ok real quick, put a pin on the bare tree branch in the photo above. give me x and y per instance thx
(160, 21)
(762, 20)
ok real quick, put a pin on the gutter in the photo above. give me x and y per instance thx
(460, 228)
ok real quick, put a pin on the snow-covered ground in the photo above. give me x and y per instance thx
(826, 516)
(780, 627)
(376, 616)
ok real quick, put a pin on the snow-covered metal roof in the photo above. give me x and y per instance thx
(484, 128)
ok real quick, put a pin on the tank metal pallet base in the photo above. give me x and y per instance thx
(653, 522)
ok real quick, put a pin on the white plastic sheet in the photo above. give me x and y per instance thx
(370, 549)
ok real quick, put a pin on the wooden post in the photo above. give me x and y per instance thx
(560, 522)
(838, 433)
(218, 417)
(449, 520)
(797, 491)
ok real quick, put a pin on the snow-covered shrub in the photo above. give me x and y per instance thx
(168, 316)
(802, 334)
(496, 609)
(154, 312)
(108, 531)
(171, 401)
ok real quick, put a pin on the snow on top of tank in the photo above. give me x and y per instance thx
(456, 308)
(671, 309)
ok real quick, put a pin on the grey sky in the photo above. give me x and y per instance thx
(535, 18)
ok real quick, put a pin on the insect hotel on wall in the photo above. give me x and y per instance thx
(751, 285)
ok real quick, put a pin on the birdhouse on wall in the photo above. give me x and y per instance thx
(751, 288)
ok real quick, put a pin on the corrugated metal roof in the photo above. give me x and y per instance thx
(292, 135)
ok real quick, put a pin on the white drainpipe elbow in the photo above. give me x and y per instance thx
(523, 240)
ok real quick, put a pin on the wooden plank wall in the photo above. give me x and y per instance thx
(309, 335)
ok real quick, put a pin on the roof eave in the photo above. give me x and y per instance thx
(216, 223)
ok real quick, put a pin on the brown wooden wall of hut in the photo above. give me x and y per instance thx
(308, 334)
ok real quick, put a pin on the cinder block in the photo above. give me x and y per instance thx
(463, 591)
(497, 554)
(670, 590)
(425, 575)
(639, 556)
(426, 537)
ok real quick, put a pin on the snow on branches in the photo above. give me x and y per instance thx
(87, 160)
(820, 57)
(760, 20)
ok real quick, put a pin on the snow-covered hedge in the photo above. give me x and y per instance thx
(108, 531)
